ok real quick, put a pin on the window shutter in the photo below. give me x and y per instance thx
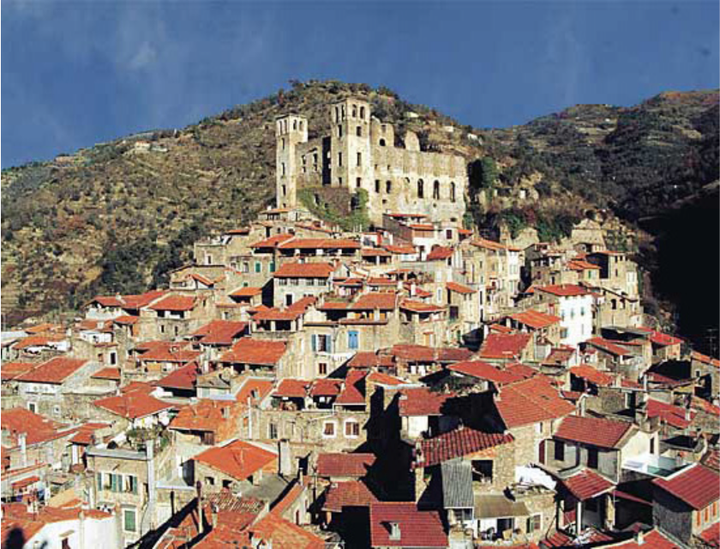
(313, 342)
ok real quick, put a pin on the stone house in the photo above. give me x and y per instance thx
(110, 307)
(573, 304)
(236, 466)
(178, 315)
(134, 408)
(613, 308)
(707, 370)
(404, 525)
(617, 272)
(295, 281)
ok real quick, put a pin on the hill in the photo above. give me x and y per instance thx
(116, 217)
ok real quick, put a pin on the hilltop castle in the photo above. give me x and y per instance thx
(360, 153)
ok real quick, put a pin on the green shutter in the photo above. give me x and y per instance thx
(129, 516)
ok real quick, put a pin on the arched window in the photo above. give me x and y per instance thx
(421, 189)
(362, 113)
(382, 142)
(452, 191)
(294, 124)
(358, 131)
(354, 111)
(436, 190)
(388, 187)
(282, 168)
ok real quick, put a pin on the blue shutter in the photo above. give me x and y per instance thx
(313, 342)
(329, 344)
(353, 340)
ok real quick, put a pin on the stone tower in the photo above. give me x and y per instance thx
(351, 162)
(290, 130)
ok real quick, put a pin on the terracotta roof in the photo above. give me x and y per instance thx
(320, 244)
(664, 340)
(457, 443)
(17, 517)
(107, 373)
(276, 314)
(326, 387)
(581, 265)
(417, 528)
(501, 329)
(439, 253)
(135, 301)
(253, 386)
(483, 370)
(375, 300)
(696, 485)
(352, 493)
(38, 341)
(86, 434)
(248, 291)
(272, 242)
(279, 533)
(133, 405)
(587, 484)
(182, 378)
(420, 306)
(400, 215)
(506, 346)
(487, 244)
(563, 290)
(401, 250)
(535, 319)
(304, 270)
(601, 432)
(301, 305)
(204, 415)
(522, 370)
(381, 281)
(37, 428)
(370, 359)
(43, 328)
(383, 379)
(374, 252)
(292, 388)
(126, 319)
(588, 373)
(705, 359)
(422, 402)
(220, 332)
(344, 464)
(353, 392)
(169, 353)
(531, 401)
(459, 288)
(238, 459)
(11, 370)
(174, 303)
(672, 415)
(608, 346)
(56, 370)
(255, 351)
(711, 535)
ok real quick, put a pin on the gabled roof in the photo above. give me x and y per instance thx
(370, 359)
(421, 401)
(351, 493)
(353, 392)
(107, 373)
(375, 300)
(343, 464)
(272, 242)
(40, 340)
(670, 414)
(504, 346)
(535, 319)
(304, 270)
(238, 459)
(457, 443)
(255, 351)
(204, 415)
(588, 373)
(696, 485)
(459, 288)
(705, 359)
(601, 432)
(320, 244)
(531, 401)
(55, 371)
(587, 484)
(439, 253)
(169, 353)
(175, 303)
(483, 370)
(182, 378)
(581, 265)
(417, 528)
(279, 533)
(488, 244)
(36, 427)
(133, 405)
(247, 291)
(136, 301)
(220, 332)
(292, 388)
(326, 387)
(420, 306)
(608, 346)
(563, 290)
(11, 370)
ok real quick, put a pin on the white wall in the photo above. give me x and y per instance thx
(577, 319)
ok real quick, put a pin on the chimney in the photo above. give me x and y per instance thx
(22, 440)
(394, 530)
(640, 537)
(285, 458)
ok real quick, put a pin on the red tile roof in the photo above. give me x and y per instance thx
(608, 346)
(370, 359)
(86, 434)
(419, 306)
(292, 388)
(320, 244)
(402, 250)
(601, 432)
(11, 370)
(417, 528)
(174, 303)
(352, 493)
(587, 484)
(36, 427)
(258, 387)
(126, 319)
(374, 252)
(705, 359)
(522, 370)
(711, 535)
(204, 415)
(107, 373)
(383, 379)
(485, 371)
(422, 401)
(531, 401)
(664, 340)
(535, 319)
(169, 353)
(457, 443)
(487, 244)
(255, 351)
(439, 253)
(353, 392)
(381, 281)
(238, 459)
(696, 485)
(459, 288)
(133, 405)
(304, 270)
(343, 464)
(581, 265)
(375, 300)
(38, 341)
(136, 301)
(564, 290)
(56, 370)
(248, 291)
(220, 332)
(672, 415)
(279, 533)
(588, 373)
(507, 346)
(326, 387)
(272, 242)
(182, 378)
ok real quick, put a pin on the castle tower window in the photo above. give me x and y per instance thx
(362, 113)
(382, 142)
(421, 189)
(282, 168)
(339, 131)
(377, 185)
(358, 131)
(359, 159)
(339, 159)
(452, 191)
(436, 190)
(300, 125)
(388, 187)
(283, 143)
(284, 190)
(294, 124)
(358, 182)
(354, 111)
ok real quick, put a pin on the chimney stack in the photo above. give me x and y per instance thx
(285, 458)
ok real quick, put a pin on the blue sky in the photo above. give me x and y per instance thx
(78, 73)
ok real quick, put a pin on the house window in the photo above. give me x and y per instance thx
(421, 189)
(32, 407)
(388, 187)
(534, 523)
(593, 458)
(352, 429)
(272, 266)
(482, 470)
(454, 312)
(339, 159)
(436, 190)
(129, 520)
(359, 159)
(258, 267)
(652, 445)
(322, 368)
(329, 429)
(352, 340)
(272, 431)
(559, 450)
(377, 185)
(321, 343)
(358, 132)
(592, 505)
(358, 182)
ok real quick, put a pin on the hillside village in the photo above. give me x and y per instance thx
(411, 384)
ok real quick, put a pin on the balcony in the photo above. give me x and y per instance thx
(654, 466)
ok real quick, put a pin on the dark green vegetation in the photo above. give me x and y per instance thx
(117, 216)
